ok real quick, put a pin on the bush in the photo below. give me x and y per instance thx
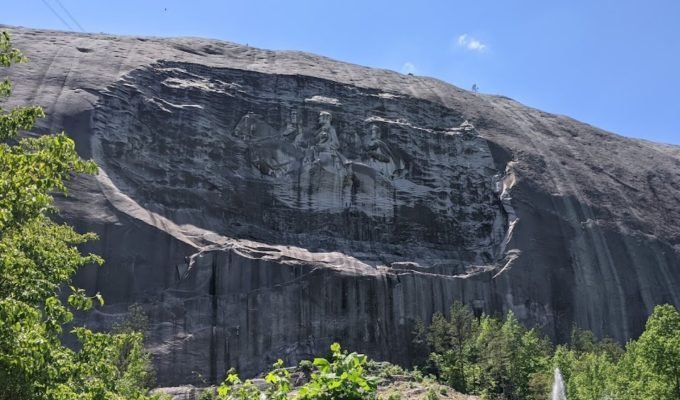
(342, 378)
(431, 394)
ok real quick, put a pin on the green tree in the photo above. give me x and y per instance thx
(492, 359)
(510, 356)
(37, 259)
(586, 373)
(650, 368)
(582, 340)
(590, 377)
(453, 345)
(588, 365)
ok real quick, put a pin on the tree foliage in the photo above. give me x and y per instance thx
(38, 257)
(486, 356)
(495, 359)
(650, 367)
(453, 348)
(500, 359)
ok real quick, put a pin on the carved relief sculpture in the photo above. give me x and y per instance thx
(379, 153)
(293, 130)
(325, 148)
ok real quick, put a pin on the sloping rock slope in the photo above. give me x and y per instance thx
(262, 204)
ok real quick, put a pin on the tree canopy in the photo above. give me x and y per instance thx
(501, 359)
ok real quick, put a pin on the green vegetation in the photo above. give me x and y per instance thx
(344, 377)
(495, 359)
(500, 359)
(38, 257)
(648, 369)
(486, 356)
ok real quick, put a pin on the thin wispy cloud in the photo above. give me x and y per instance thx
(408, 68)
(468, 42)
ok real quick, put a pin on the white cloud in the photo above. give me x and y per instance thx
(408, 68)
(470, 43)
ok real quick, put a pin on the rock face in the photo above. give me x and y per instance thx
(260, 204)
(376, 176)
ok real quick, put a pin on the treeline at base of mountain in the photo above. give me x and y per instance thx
(488, 356)
(493, 358)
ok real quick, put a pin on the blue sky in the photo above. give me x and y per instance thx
(613, 64)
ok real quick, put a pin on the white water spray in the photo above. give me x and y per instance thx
(558, 387)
